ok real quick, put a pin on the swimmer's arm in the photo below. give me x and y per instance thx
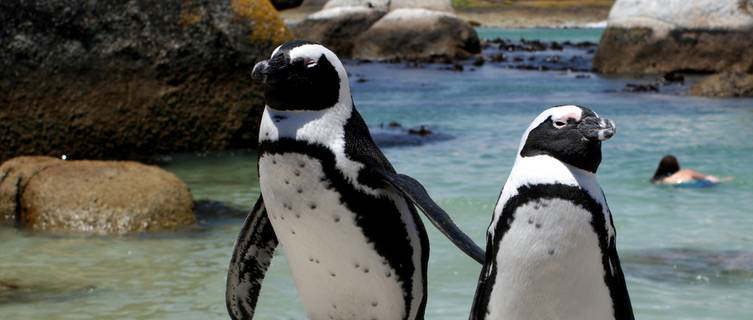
(700, 176)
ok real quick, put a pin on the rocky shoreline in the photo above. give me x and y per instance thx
(700, 37)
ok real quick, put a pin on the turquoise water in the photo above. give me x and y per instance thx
(559, 35)
(687, 253)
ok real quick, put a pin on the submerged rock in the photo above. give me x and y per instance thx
(650, 37)
(539, 56)
(690, 265)
(417, 34)
(727, 84)
(641, 87)
(93, 197)
(34, 290)
(208, 210)
(122, 79)
(395, 135)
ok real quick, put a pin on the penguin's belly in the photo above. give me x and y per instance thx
(338, 272)
(549, 266)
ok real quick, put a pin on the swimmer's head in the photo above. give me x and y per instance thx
(667, 167)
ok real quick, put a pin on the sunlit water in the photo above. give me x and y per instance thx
(687, 253)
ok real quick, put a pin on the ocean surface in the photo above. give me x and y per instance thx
(687, 252)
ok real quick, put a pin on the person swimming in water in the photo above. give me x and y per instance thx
(669, 172)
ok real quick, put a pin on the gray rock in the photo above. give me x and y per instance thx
(123, 79)
(417, 34)
(655, 37)
(337, 27)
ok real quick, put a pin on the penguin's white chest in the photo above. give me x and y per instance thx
(549, 266)
(337, 271)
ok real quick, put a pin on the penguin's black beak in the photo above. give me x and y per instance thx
(259, 73)
(273, 71)
(596, 129)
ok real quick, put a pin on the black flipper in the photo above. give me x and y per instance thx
(251, 257)
(414, 191)
(623, 310)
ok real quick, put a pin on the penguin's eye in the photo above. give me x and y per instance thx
(559, 124)
(308, 62)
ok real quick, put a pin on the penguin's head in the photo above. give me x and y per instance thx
(302, 76)
(571, 134)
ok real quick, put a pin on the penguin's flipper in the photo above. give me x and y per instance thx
(623, 310)
(418, 195)
(251, 257)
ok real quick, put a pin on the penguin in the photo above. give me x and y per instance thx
(346, 220)
(551, 250)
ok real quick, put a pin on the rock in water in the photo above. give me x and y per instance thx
(417, 34)
(655, 37)
(92, 197)
(336, 27)
(726, 84)
(14, 175)
(122, 79)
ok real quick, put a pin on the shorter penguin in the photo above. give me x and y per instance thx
(551, 250)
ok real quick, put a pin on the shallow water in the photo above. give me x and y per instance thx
(559, 35)
(687, 253)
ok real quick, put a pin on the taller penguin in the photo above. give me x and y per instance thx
(551, 250)
(346, 220)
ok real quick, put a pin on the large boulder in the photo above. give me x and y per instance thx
(726, 84)
(417, 34)
(660, 36)
(336, 27)
(124, 79)
(92, 197)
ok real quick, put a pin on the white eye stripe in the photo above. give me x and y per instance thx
(275, 51)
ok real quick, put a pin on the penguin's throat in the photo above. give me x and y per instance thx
(542, 169)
